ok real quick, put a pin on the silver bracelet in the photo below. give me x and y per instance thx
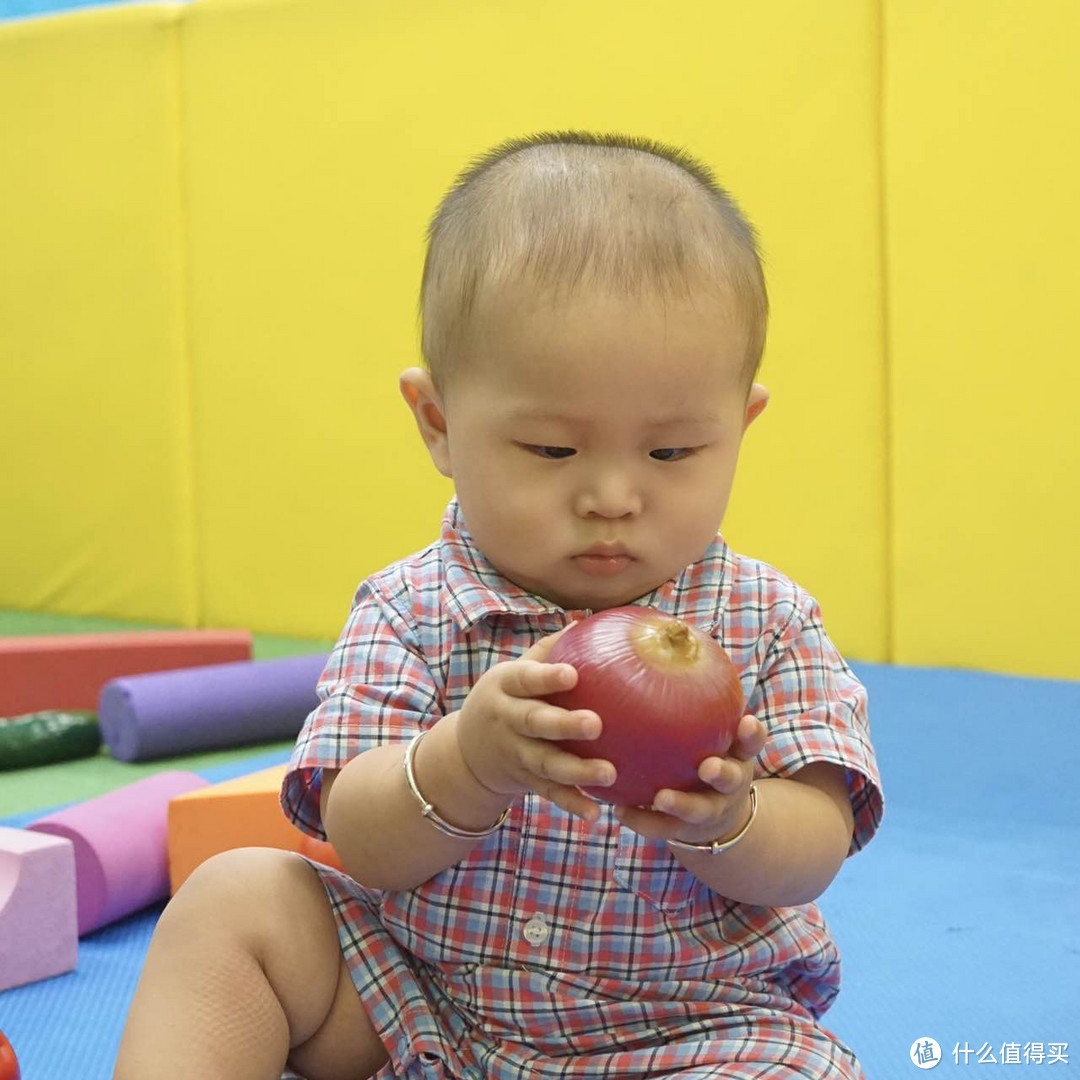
(429, 811)
(718, 847)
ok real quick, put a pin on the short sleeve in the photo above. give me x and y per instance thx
(376, 689)
(815, 709)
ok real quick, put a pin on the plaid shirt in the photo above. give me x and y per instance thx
(556, 948)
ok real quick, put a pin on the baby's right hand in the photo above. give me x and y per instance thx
(507, 736)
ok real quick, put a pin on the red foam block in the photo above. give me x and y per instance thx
(68, 671)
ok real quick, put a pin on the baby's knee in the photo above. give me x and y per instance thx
(238, 892)
(263, 910)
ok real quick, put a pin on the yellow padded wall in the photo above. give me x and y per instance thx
(320, 136)
(94, 481)
(983, 229)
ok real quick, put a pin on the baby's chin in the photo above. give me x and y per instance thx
(593, 600)
(569, 588)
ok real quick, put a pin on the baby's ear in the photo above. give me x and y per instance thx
(423, 399)
(756, 401)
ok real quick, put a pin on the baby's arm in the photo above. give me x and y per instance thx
(819, 795)
(795, 846)
(470, 766)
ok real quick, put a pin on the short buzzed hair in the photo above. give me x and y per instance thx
(570, 209)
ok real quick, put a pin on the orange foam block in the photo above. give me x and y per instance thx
(244, 812)
(67, 671)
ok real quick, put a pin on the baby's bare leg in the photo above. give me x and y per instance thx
(244, 972)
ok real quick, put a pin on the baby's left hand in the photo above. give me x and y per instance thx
(699, 817)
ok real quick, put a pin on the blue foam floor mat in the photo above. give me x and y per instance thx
(958, 923)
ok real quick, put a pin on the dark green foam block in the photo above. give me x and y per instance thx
(27, 790)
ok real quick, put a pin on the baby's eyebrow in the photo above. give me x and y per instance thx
(523, 412)
(671, 420)
(691, 419)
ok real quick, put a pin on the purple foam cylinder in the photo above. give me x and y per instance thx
(167, 713)
(121, 848)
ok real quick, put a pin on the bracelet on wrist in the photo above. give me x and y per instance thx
(718, 847)
(429, 811)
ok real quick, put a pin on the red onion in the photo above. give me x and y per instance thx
(667, 694)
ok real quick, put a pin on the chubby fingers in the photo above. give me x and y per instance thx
(558, 775)
(533, 678)
(688, 815)
(671, 813)
(525, 684)
(545, 762)
(542, 648)
(541, 726)
(749, 739)
(539, 720)
(571, 800)
(726, 775)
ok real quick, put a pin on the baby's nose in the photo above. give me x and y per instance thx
(610, 495)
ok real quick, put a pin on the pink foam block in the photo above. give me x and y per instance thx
(121, 861)
(38, 927)
(67, 671)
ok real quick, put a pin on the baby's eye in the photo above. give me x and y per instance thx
(552, 452)
(673, 453)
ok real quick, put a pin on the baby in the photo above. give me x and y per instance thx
(593, 317)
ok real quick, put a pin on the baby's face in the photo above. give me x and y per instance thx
(593, 447)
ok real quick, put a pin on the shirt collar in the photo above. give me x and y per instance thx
(473, 589)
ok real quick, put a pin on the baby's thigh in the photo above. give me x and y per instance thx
(346, 1046)
(273, 904)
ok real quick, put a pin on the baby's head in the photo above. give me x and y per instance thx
(563, 214)
(592, 319)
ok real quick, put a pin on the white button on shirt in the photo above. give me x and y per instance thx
(536, 930)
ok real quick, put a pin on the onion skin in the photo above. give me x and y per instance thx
(668, 697)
